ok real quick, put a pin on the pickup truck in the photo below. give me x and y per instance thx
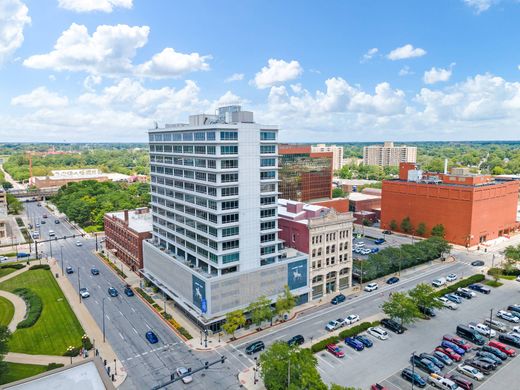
(442, 383)
(482, 329)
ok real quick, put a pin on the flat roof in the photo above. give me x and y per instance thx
(357, 196)
(141, 223)
(479, 185)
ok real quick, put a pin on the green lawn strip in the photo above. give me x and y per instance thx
(57, 328)
(6, 311)
(492, 283)
(6, 271)
(18, 371)
(507, 277)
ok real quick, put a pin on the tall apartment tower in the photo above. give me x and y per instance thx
(337, 154)
(215, 245)
(389, 155)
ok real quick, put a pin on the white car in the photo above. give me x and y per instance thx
(378, 333)
(78, 243)
(451, 277)
(467, 290)
(3, 258)
(359, 244)
(371, 287)
(447, 303)
(518, 278)
(84, 292)
(472, 372)
(515, 331)
(332, 326)
(183, 371)
(341, 322)
(350, 319)
(508, 316)
(482, 329)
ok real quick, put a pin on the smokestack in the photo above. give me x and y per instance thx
(445, 166)
(126, 216)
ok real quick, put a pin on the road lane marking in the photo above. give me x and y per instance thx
(132, 309)
(130, 358)
(234, 357)
(120, 335)
(145, 353)
(134, 330)
(243, 354)
(279, 337)
(108, 318)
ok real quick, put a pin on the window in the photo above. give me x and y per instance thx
(211, 150)
(267, 135)
(228, 135)
(187, 136)
(199, 162)
(230, 218)
(267, 175)
(267, 149)
(229, 164)
(187, 149)
(268, 237)
(200, 136)
(227, 245)
(212, 191)
(229, 191)
(268, 225)
(199, 149)
(230, 258)
(212, 177)
(176, 137)
(267, 200)
(267, 162)
(267, 213)
(267, 250)
(210, 136)
(230, 205)
(229, 149)
(212, 204)
(268, 187)
(232, 231)
(229, 177)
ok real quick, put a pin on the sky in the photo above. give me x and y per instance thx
(324, 71)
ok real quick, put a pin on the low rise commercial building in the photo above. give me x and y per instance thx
(125, 232)
(326, 236)
(59, 178)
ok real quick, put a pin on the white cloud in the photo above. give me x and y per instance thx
(40, 97)
(406, 51)
(370, 54)
(235, 77)
(277, 72)
(13, 18)
(228, 99)
(434, 75)
(405, 71)
(170, 63)
(480, 5)
(94, 5)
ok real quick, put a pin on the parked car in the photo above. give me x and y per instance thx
(477, 263)
(515, 331)
(69, 270)
(503, 348)
(365, 340)
(296, 340)
(374, 250)
(439, 282)
(470, 371)
(451, 277)
(447, 303)
(440, 382)
(371, 287)
(377, 386)
(413, 377)
(514, 309)
(508, 316)
(84, 292)
(483, 367)
(257, 346)
(510, 339)
(387, 232)
(379, 241)
(356, 344)
(21, 255)
(480, 288)
(496, 325)
(495, 351)
(482, 329)
(112, 292)
(489, 355)
(94, 271)
(151, 337)
(424, 364)
(378, 333)
(443, 357)
(491, 361)
(457, 341)
(351, 318)
(45, 216)
(332, 326)
(427, 311)
(473, 293)
(454, 298)
(393, 325)
(338, 299)
(183, 371)
(463, 383)
(470, 334)
(43, 222)
(432, 359)
(453, 346)
(463, 294)
(450, 353)
(128, 291)
(335, 350)
(392, 280)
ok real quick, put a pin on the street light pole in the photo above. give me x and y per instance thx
(413, 368)
(490, 319)
(50, 247)
(79, 286)
(103, 300)
(61, 257)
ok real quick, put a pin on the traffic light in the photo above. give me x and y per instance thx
(172, 376)
(206, 365)
(222, 359)
(189, 370)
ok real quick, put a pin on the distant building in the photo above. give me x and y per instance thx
(339, 204)
(352, 185)
(337, 154)
(326, 236)
(389, 155)
(61, 177)
(125, 231)
(3, 214)
(472, 208)
(304, 175)
(359, 201)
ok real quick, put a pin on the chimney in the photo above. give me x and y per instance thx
(445, 166)
(126, 216)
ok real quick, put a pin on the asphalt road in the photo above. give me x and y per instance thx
(127, 319)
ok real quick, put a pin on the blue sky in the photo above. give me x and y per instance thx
(104, 70)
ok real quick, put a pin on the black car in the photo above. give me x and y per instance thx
(427, 311)
(480, 288)
(488, 360)
(477, 263)
(112, 292)
(365, 340)
(257, 346)
(128, 291)
(489, 355)
(387, 232)
(425, 365)
(495, 351)
(94, 271)
(43, 222)
(463, 294)
(56, 221)
(480, 365)
(392, 325)
(509, 339)
(296, 340)
(392, 280)
(432, 359)
(69, 270)
(338, 299)
(515, 309)
(413, 376)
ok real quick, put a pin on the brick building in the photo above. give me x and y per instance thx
(326, 236)
(472, 208)
(125, 232)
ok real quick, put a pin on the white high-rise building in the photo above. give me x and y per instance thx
(337, 154)
(388, 154)
(215, 245)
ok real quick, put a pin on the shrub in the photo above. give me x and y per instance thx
(72, 352)
(320, 345)
(147, 297)
(477, 278)
(156, 306)
(185, 333)
(355, 330)
(167, 316)
(53, 366)
(503, 271)
(87, 344)
(34, 307)
(15, 266)
(39, 266)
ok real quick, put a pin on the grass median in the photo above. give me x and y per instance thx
(57, 328)
(6, 311)
(19, 371)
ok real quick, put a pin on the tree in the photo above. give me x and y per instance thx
(5, 335)
(393, 224)
(406, 225)
(338, 193)
(289, 368)
(421, 229)
(439, 230)
(260, 310)
(495, 273)
(402, 307)
(512, 253)
(14, 206)
(285, 302)
(234, 320)
(423, 296)
(334, 386)
(7, 185)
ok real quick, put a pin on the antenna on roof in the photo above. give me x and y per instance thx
(156, 125)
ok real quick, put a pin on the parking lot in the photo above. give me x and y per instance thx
(363, 242)
(384, 361)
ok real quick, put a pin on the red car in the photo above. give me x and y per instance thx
(504, 348)
(335, 350)
(458, 341)
(377, 386)
(450, 353)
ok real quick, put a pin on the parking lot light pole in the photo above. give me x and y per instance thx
(413, 368)
(490, 319)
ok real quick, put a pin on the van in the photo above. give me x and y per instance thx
(439, 282)
(471, 335)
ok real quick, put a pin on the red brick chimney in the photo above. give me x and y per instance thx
(126, 216)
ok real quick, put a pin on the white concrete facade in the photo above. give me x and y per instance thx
(388, 154)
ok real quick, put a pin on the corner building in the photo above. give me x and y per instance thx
(215, 245)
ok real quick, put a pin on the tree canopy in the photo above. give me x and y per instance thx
(401, 307)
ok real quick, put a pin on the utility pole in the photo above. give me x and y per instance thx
(50, 247)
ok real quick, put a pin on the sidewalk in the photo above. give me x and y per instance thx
(42, 360)
(20, 308)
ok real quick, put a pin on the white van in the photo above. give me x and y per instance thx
(439, 282)
(51, 233)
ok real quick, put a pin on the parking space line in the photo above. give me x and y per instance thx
(324, 361)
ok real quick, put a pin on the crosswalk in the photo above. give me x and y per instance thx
(140, 355)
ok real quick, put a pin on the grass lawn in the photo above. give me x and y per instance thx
(6, 311)
(19, 371)
(507, 277)
(492, 283)
(6, 271)
(57, 328)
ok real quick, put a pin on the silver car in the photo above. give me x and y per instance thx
(183, 371)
